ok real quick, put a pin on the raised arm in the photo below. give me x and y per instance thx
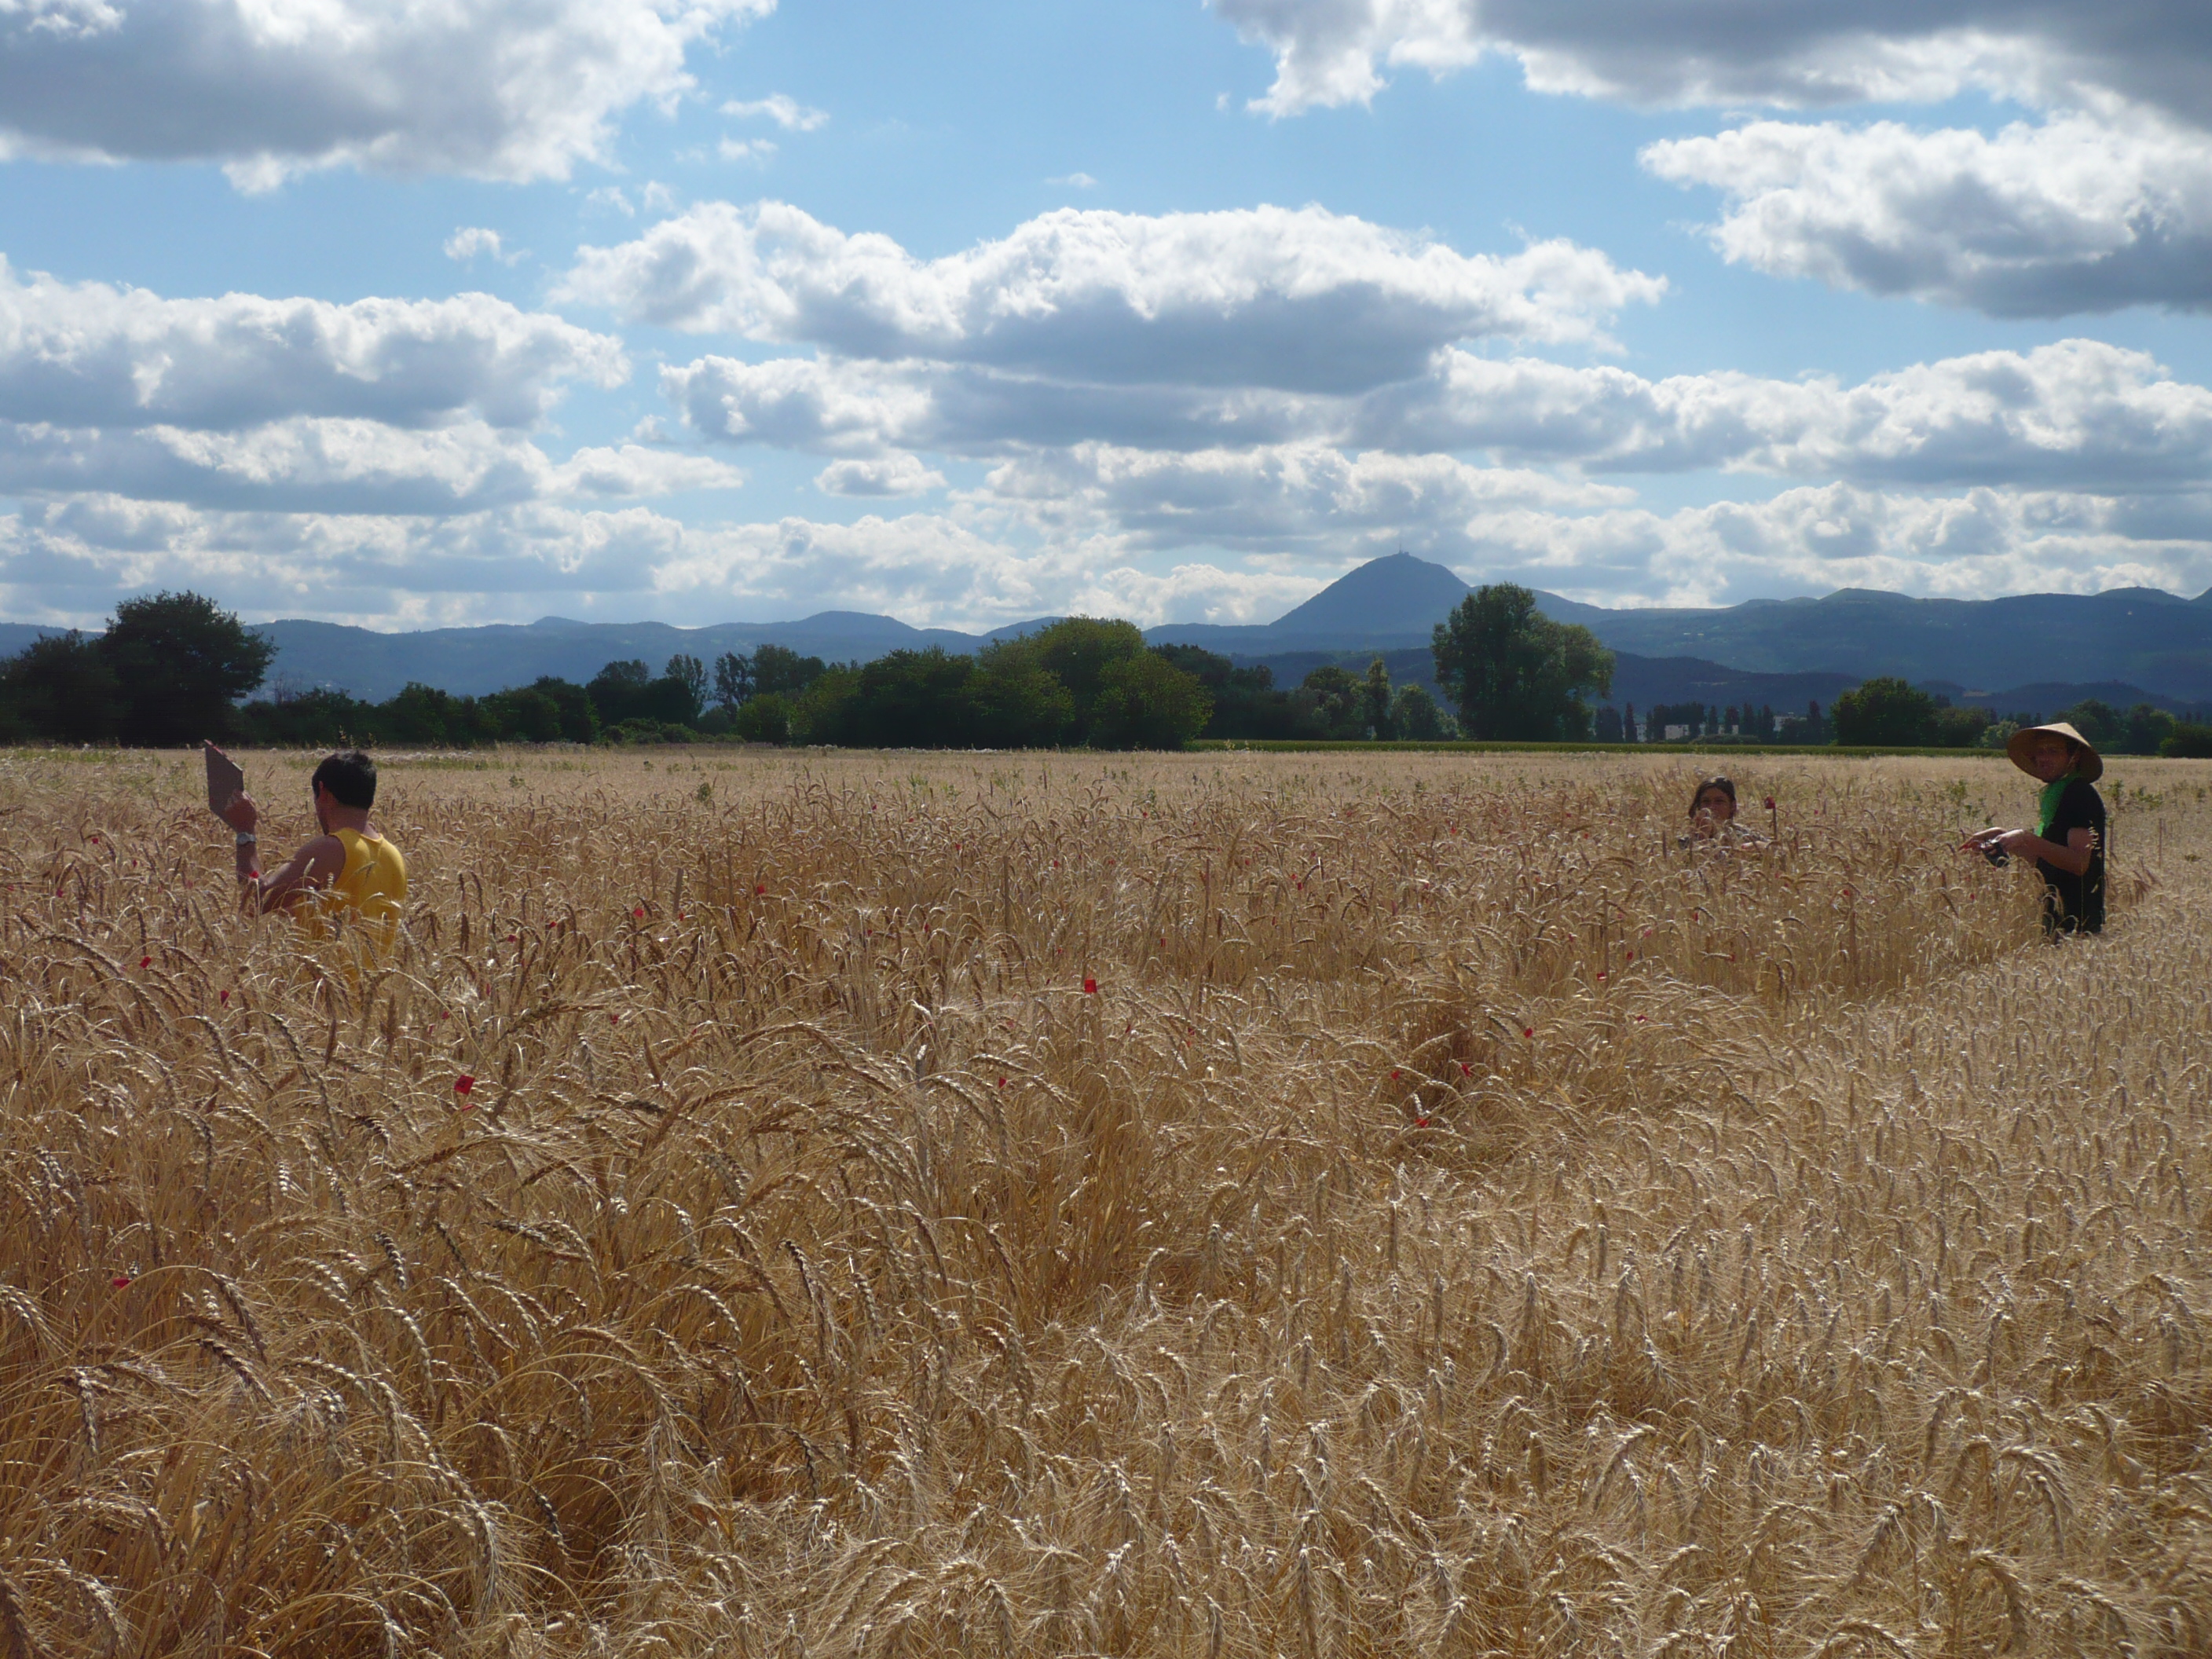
(315, 865)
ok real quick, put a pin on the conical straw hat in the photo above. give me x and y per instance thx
(2089, 765)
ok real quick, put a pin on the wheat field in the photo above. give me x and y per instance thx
(1228, 1205)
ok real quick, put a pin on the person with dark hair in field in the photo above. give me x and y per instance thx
(349, 867)
(1712, 814)
(2068, 842)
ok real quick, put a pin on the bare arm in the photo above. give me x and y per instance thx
(315, 865)
(2073, 857)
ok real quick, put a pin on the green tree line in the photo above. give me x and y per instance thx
(171, 667)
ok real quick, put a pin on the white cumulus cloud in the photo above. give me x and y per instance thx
(269, 87)
(1262, 296)
(334, 465)
(1310, 497)
(2077, 213)
(87, 354)
(883, 475)
(2104, 201)
(466, 243)
(2078, 414)
(1791, 52)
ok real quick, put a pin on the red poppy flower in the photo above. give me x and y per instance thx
(1465, 1070)
(639, 913)
(1769, 803)
(1527, 1031)
(225, 996)
(1395, 1074)
(1601, 974)
(121, 1281)
(1091, 987)
(463, 1082)
(1420, 1123)
(1002, 1083)
(145, 962)
(1639, 1019)
(759, 887)
(514, 938)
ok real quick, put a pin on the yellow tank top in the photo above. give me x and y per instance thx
(372, 884)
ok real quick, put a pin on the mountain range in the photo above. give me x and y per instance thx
(2034, 651)
(2139, 638)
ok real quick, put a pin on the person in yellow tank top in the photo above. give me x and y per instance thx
(350, 868)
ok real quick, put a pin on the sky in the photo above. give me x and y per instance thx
(419, 313)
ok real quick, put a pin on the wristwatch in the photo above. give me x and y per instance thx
(246, 838)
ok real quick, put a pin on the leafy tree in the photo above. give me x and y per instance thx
(1515, 674)
(321, 719)
(1247, 702)
(825, 711)
(764, 719)
(2189, 740)
(1076, 650)
(617, 688)
(579, 720)
(2097, 721)
(549, 710)
(1885, 710)
(2147, 728)
(779, 668)
(182, 661)
(1015, 701)
(1628, 723)
(1414, 716)
(688, 672)
(1960, 728)
(1145, 701)
(733, 679)
(915, 700)
(1374, 701)
(626, 691)
(63, 688)
(1609, 724)
(1334, 703)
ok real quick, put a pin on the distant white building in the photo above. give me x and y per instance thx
(1676, 733)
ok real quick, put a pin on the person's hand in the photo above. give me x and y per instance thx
(2018, 842)
(1981, 841)
(239, 812)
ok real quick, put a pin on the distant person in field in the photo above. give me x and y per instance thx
(349, 867)
(2068, 842)
(1712, 815)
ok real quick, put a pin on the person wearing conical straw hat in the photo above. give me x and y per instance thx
(2068, 842)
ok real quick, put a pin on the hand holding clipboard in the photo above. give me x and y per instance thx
(225, 787)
